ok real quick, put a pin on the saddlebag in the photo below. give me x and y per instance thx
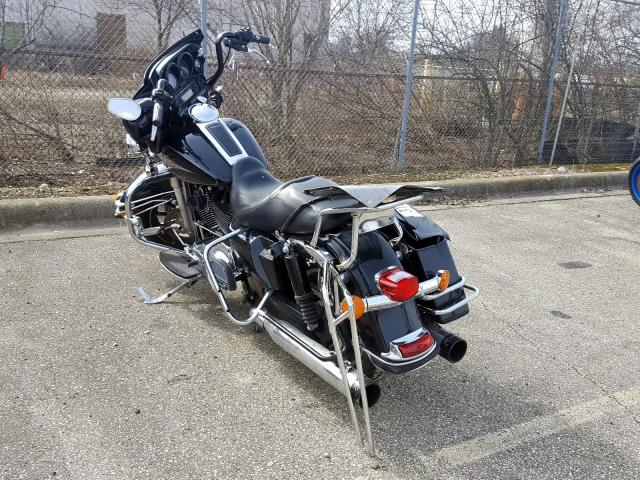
(429, 252)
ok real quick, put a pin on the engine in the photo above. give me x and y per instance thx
(210, 208)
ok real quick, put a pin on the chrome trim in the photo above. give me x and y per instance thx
(381, 302)
(359, 215)
(394, 354)
(314, 347)
(230, 159)
(450, 289)
(135, 202)
(158, 203)
(302, 348)
(377, 276)
(392, 364)
(475, 292)
(180, 190)
(199, 111)
(133, 222)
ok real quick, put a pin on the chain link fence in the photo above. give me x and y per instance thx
(330, 102)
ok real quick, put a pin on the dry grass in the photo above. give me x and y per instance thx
(54, 127)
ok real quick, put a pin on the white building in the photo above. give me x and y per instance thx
(126, 25)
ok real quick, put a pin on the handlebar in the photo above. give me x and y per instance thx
(161, 99)
(162, 94)
(238, 41)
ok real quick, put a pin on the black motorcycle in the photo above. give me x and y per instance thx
(350, 280)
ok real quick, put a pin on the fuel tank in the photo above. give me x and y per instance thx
(204, 153)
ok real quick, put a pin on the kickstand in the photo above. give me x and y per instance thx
(152, 301)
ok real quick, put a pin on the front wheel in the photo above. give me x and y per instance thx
(634, 181)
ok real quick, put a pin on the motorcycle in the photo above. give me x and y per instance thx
(351, 280)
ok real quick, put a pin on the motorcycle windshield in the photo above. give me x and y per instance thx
(151, 73)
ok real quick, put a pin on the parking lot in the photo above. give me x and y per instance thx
(95, 385)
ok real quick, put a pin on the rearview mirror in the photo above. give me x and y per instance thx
(124, 108)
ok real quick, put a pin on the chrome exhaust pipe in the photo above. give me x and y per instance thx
(317, 358)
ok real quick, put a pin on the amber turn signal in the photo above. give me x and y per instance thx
(358, 306)
(445, 276)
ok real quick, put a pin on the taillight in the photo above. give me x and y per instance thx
(416, 347)
(397, 284)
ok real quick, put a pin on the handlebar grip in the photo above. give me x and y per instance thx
(158, 115)
(261, 39)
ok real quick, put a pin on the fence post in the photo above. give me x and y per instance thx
(552, 78)
(408, 89)
(204, 28)
(2, 29)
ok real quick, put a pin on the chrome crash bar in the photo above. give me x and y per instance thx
(359, 216)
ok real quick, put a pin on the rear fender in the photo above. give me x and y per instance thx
(377, 329)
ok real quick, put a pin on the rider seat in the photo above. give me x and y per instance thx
(261, 201)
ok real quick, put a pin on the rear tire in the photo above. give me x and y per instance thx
(634, 181)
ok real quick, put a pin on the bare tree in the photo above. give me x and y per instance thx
(299, 31)
(165, 14)
(503, 46)
(367, 36)
(28, 17)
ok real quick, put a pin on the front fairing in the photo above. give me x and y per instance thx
(153, 73)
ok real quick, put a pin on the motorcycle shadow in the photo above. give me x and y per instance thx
(418, 414)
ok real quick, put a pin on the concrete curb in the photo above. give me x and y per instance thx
(516, 186)
(32, 211)
(25, 212)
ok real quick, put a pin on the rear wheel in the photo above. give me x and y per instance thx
(634, 181)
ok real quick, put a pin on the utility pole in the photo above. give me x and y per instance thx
(552, 77)
(408, 89)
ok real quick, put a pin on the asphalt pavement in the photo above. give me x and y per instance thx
(94, 384)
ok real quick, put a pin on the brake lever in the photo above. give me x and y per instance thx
(260, 54)
(231, 65)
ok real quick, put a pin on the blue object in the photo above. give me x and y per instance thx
(634, 176)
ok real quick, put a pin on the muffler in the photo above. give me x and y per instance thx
(317, 358)
(452, 347)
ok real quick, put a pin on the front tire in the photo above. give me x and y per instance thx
(634, 181)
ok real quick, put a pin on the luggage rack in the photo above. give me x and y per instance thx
(359, 215)
(333, 291)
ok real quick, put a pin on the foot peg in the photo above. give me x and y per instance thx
(179, 264)
(152, 301)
